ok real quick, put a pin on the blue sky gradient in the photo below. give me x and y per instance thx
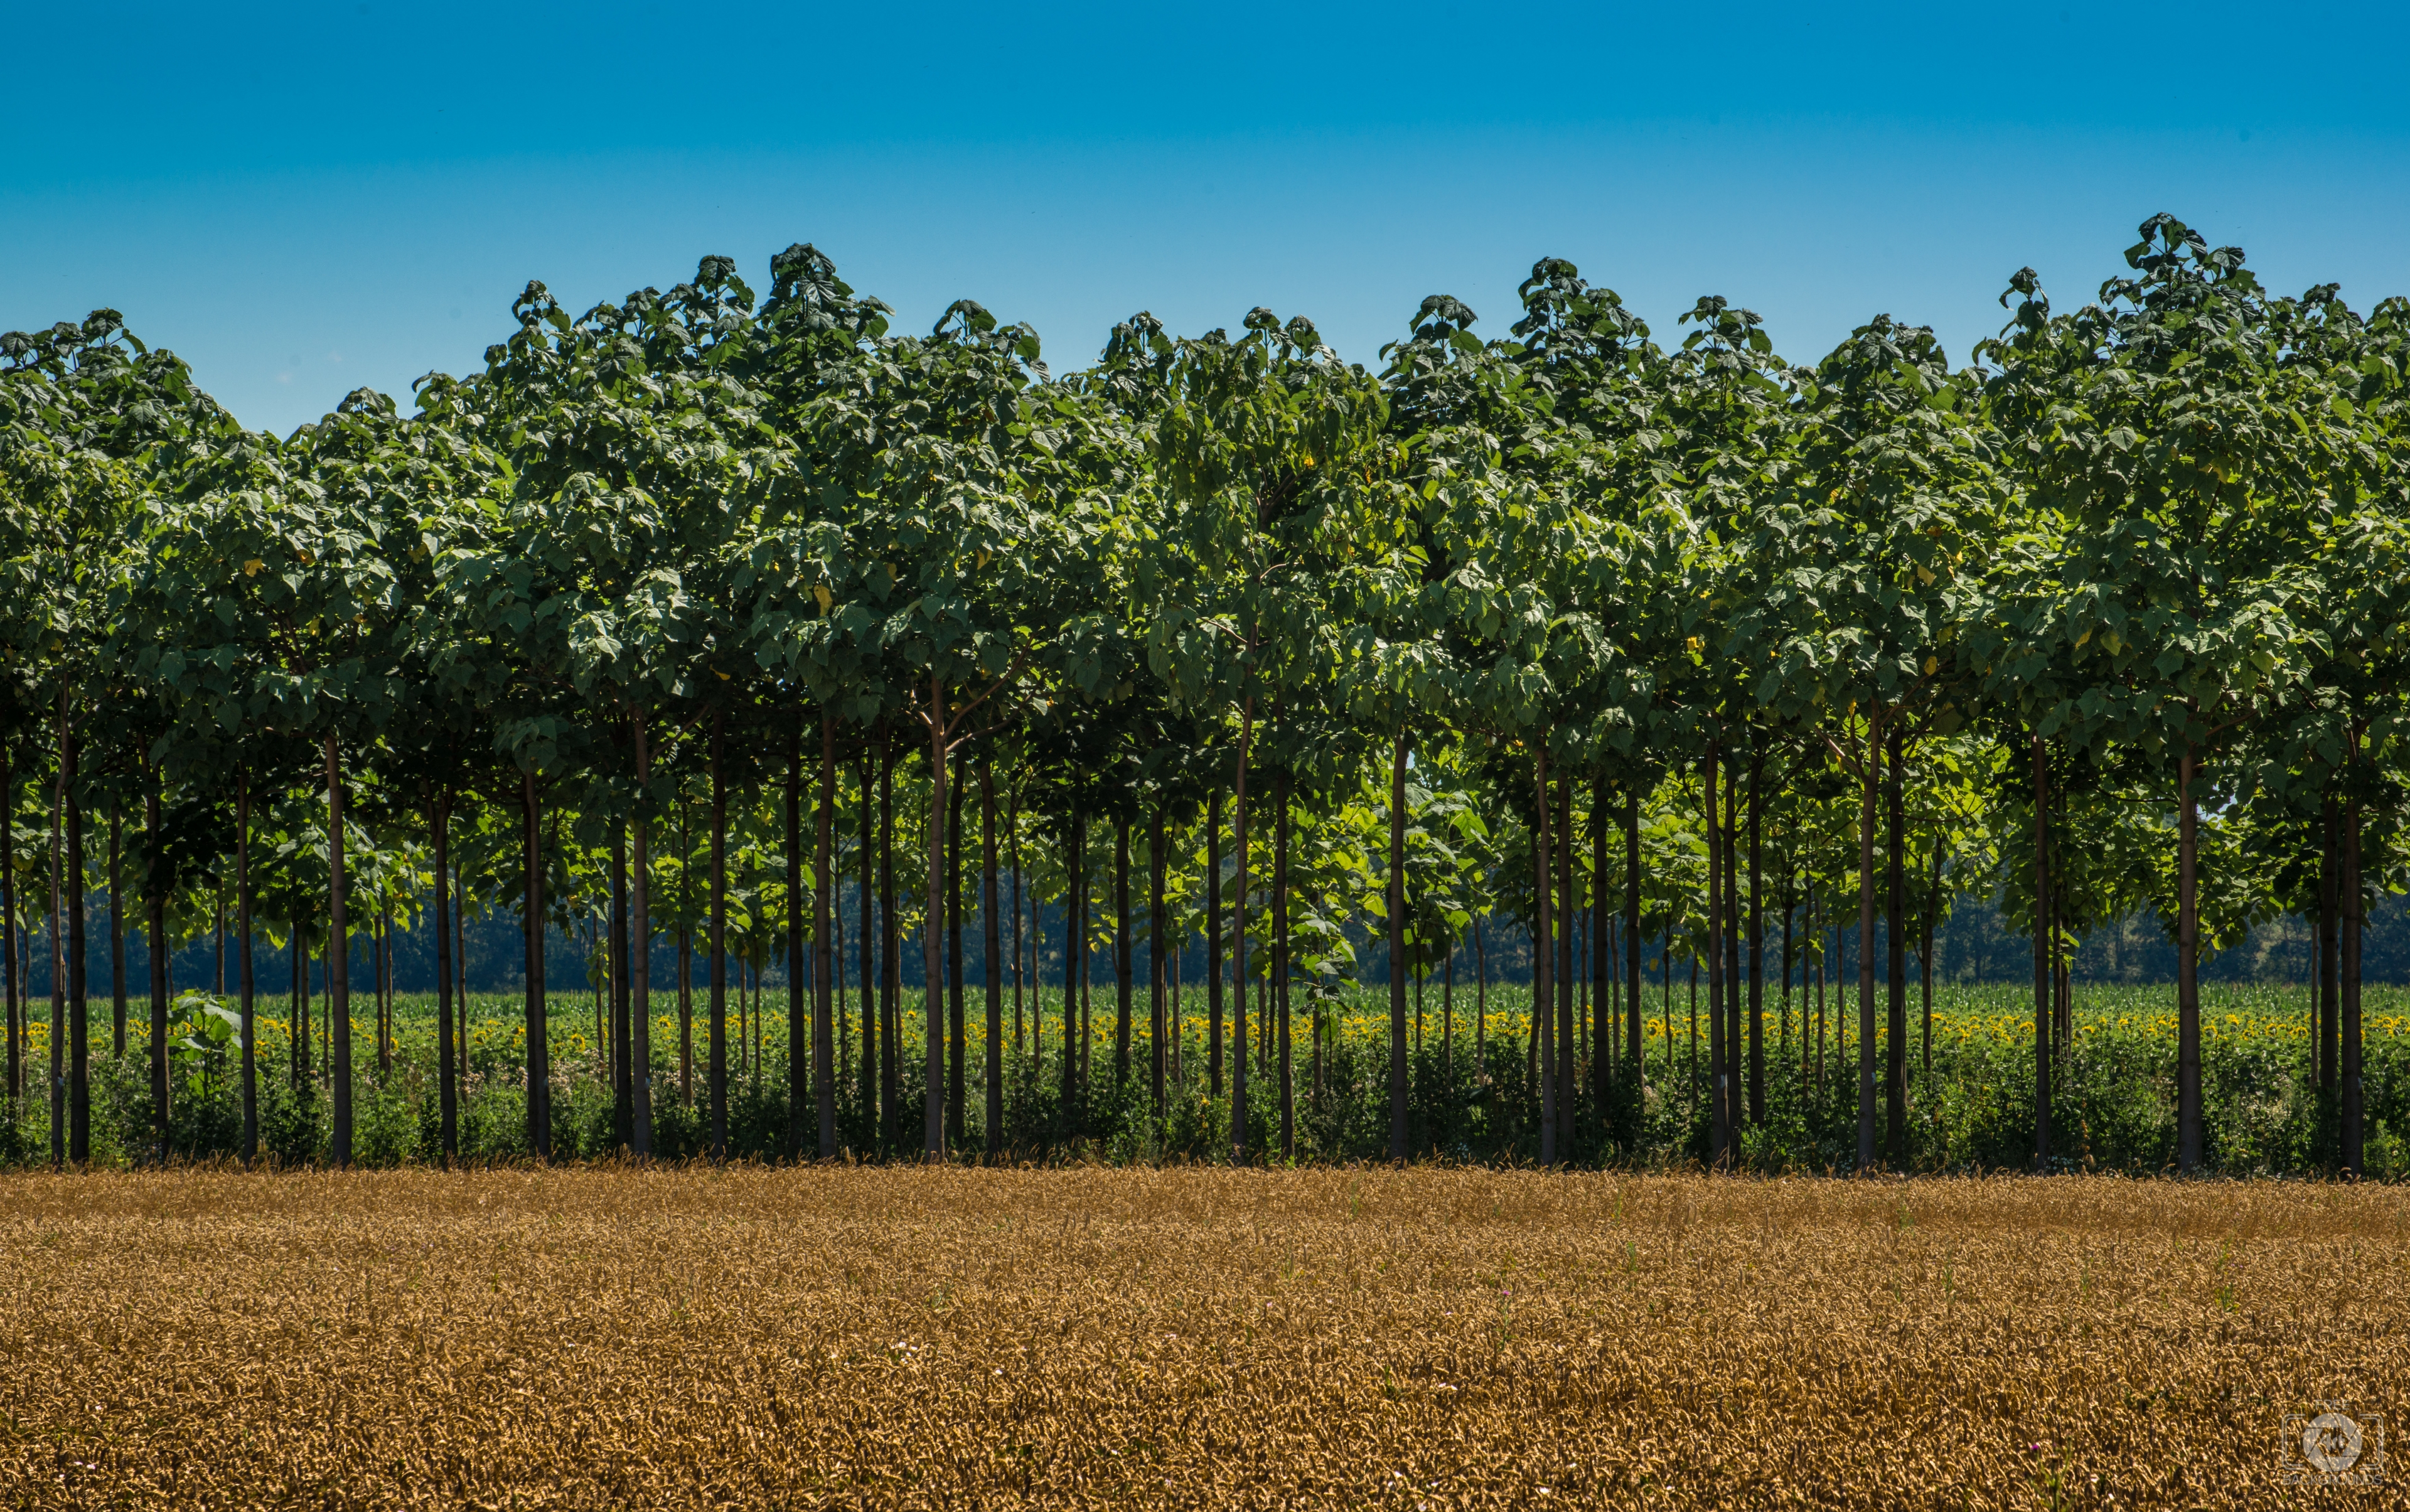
(304, 199)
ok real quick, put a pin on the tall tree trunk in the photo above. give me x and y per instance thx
(117, 927)
(1239, 945)
(1213, 943)
(1544, 956)
(1895, 940)
(58, 1033)
(1123, 984)
(297, 954)
(1281, 959)
(890, 962)
(1925, 956)
(958, 1054)
(717, 1007)
(1157, 928)
(1756, 942)
(1448, 1015)
(639, 957)
(991, 955)
(2324, 1063)
(1012, 837)
(1790, 913)
(1720, 1130)
(79, 994)
(1601, 986)
(799, 1018)
(339, 963)
(933, 951)
(376, 931)
(1566, 911)
(1480, 1000)
(447, 1074)
(538, 1028)
(623, 1029)
(376, 986)
(2188, 1113)
(598, 933)
(685, 954)
(1872, 779)
(244, 982)
(2064, 1034)
(1816, 932)
(2042, 953)
(2355, 910)
(827, 947)
(1398, 1149)
(871, 1013)
(1075, 872)
(19, 987)
(460, 962)
(1632, 938)
(1086, 1037)
(1728, 940)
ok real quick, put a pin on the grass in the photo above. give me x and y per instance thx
(907, 1337)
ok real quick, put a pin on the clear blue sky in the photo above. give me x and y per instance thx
(302, 200)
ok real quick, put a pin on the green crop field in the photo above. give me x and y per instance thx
(1471, 1091)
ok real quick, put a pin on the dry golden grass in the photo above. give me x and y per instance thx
(945, 1338)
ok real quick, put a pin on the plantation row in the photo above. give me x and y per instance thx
(1475, 1093)
(686, 617)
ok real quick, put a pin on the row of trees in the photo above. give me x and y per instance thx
(1565, 622)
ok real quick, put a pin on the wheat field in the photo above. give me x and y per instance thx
(1186, 1337)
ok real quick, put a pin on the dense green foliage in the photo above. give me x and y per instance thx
(695, 616)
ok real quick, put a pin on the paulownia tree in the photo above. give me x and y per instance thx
(2187, 460)
(1262, 441)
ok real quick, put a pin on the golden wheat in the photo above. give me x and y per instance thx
(1425, 1338)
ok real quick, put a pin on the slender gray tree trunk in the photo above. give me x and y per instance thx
(79, 992)
(1213, 943)
(991, 956)
(117, 927)
(1157, 926)
(1398, 1149)
(1280, 961)
(447, 1072)
(640, 959)
(2355, 909)
(799, 1017)
(1124, 1009)
(623, 1029)
(1544, 958)
(1632, 1027)
(2042, 953)
(718, 1027)
(1896, 960)
(1872, 779)
(245, 982)
(539, 1046)
(2189, 1140)
(59, 1036)
(826, 947)
(1756, 942)
(1719, 1072)
(1239, 947)
(339, 965)
(2325, 1068)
